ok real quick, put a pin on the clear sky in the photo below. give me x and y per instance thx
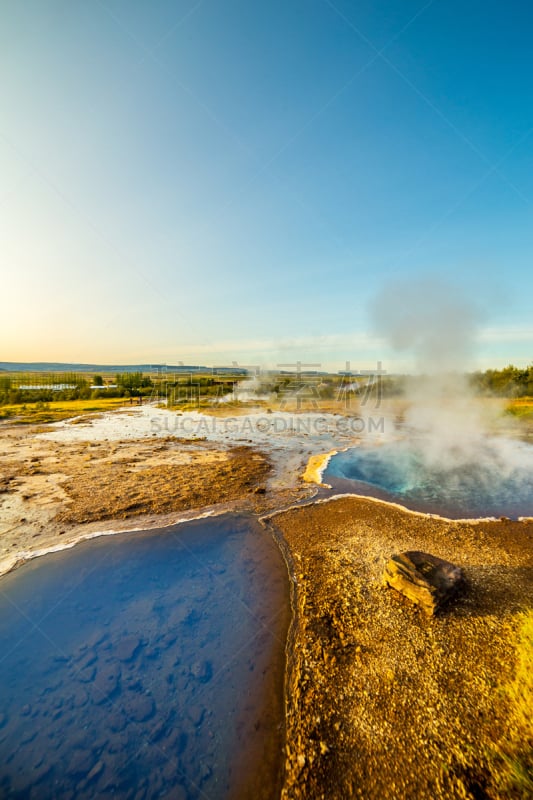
(234, 180)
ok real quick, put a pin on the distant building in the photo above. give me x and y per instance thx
(54, 387)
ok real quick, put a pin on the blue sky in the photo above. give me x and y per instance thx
(214, 181)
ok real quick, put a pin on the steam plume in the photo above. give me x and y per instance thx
(449, 431)
(430, 319)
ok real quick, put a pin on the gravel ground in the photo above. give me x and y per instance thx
(383, 702)
(54, 493)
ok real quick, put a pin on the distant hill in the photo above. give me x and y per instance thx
(58, 366)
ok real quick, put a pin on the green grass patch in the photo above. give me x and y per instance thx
(521, 409)
(515, 751)
(54, 411)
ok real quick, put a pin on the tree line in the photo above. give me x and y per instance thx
(510, 381)
(39, 388)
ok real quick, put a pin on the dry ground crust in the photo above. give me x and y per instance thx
(131, 485)
(51, 492)
(383, 702)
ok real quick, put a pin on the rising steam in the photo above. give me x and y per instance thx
(449, 433)
(430, 319)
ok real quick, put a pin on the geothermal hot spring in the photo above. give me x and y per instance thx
(455, 480)
(146, 665)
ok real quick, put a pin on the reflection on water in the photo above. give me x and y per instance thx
(145, 665)
(399, 472)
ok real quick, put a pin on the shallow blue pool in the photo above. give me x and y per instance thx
(146, 665)
(499, 482)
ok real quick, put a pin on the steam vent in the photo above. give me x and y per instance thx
(428, 581)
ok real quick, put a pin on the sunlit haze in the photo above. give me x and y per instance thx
(210, 182)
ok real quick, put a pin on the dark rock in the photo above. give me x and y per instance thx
(87, 674)
(126, 648)
(81, 762)
(105, 682)
(54, 680)
(218, 569)
(167, 640)
(79, 697)
(141, 791)
(140, 707)
(118, 743)
(132, 683)
(97, 639)
(117, 720)
(158, 731)
(196, 714)
(40, 772)
(96, 771)
(202, 671)
(180, 614)
(176, 743)
(90, 658)
(80, 740)
(153, 653)
(28, 737)
(426, 580)
(100, 742)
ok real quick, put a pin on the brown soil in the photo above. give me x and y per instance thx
(382, 701)
(126, 486)
(55, 493)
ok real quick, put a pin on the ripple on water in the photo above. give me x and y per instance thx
(146, 665)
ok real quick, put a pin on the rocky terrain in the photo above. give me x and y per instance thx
(56, 492)
(383, 700)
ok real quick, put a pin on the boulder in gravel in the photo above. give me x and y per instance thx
(126, 649)
(426, 580)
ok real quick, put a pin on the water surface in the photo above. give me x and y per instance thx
(146, 665)
(498, 483)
